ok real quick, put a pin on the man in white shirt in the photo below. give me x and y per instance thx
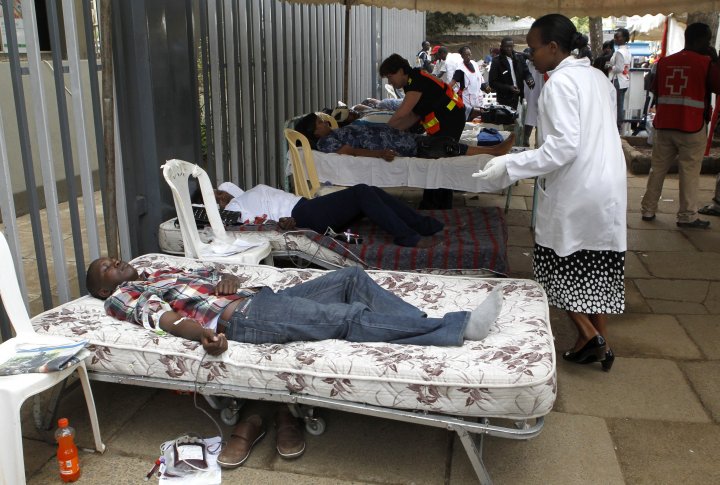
(620, 71)
(338, 210)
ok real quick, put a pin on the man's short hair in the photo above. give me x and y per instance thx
(697, 33)
(625, 33)
(507, 39)
(92, 280)
(393, 64)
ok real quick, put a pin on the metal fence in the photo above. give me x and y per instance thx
(258, 62)
(269, 61)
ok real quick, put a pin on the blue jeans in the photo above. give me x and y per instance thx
(344, 304)
(620, 103)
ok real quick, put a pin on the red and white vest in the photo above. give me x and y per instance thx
(681, 92)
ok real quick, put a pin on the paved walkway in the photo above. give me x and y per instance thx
(653, 419)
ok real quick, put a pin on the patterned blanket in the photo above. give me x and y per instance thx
(474, 238)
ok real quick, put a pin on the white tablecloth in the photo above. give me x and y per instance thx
(450, 173)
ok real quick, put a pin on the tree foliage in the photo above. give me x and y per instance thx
(582, 24)
(440, 23)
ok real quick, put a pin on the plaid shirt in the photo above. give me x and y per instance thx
(189, 293)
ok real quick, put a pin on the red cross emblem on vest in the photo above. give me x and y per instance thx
(677, 82)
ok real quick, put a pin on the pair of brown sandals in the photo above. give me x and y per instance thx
(248, 433)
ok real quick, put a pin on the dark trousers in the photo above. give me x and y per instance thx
(339, 210)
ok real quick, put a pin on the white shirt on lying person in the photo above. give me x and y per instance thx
(582, 195)
(263, 200)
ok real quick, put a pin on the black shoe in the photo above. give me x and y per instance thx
(648, 218)
(696, 224)
(595, 349)
(609, 360)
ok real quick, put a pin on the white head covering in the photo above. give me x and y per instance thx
(231, 189)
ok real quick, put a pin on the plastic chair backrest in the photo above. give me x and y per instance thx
(391, 91)
(326, 117)
(10, 294)
(177, 173)
(303, 167)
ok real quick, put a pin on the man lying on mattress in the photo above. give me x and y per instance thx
(383, 141)
(210, 307)
(338, 210)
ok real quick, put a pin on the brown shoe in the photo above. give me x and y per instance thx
(290, 439)
(246, 435)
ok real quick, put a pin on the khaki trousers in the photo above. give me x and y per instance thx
(689, 149)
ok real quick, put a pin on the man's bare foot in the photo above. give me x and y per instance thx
(495, 150)
(427, 242)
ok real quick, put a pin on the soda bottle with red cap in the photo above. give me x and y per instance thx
(67, 453)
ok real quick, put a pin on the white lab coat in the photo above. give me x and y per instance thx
(472, 94)
(620, 66)
(580, 165)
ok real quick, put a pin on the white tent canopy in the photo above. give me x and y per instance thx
(533, 8)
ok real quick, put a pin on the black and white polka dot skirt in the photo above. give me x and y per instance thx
(584, 282)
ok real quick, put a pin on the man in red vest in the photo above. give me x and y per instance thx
(682, 88)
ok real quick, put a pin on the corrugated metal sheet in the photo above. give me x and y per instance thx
(279, 60)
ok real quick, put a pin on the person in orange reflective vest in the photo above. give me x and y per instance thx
(434, 104)
(682, 88)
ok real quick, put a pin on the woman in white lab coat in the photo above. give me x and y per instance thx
(580, 236)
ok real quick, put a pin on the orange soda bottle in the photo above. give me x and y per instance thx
(67, 453)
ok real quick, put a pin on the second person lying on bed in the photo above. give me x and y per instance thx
(338, 211)
(383, 141)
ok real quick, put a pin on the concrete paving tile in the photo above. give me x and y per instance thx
(648, 335)
(662, 221)
(676, 307)
(562, 453)
(639, 240)
(167, 416)
(707, 182)
(520, 262)
(115, 405)
(37, 454)
(668, 203)
(518, 218)
(364, 448)
(96, 469)
(706, 240)
(563, 330)
(520, 236)
(486, 200)
(683, 265)
(652, 452)
(712, 302)
(634, 301)
(705, 331)
(636, 180)
(704, 377)
(686, 290)
(633, 266)
(272, 477)
(635, 388)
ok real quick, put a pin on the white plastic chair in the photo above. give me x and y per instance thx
(14, 390)
(177, 173)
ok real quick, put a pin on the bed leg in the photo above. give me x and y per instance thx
(474, 453)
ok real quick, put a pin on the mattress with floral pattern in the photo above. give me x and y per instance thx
(509, 374)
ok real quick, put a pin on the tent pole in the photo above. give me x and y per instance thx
(346, 64)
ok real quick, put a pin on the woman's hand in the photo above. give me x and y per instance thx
(388, 155)
(228, 285)
(214, 344)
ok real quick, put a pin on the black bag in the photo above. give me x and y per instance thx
(437, 147)
(498, 115)
(228, 218)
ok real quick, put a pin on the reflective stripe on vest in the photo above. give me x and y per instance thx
(455, 100)
(681, 90)
(431, 123)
